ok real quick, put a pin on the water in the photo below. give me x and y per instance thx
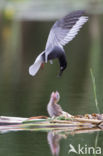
(25, 96)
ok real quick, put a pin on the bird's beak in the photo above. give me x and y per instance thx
(60, 73)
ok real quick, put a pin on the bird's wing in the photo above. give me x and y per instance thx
(65, 29)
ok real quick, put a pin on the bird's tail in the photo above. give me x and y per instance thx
(33, 69)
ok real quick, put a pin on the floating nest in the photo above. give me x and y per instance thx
(82, 123)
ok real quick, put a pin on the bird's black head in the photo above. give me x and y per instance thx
(63, 63)
(59, 53)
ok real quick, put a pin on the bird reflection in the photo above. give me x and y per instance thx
(53, 141)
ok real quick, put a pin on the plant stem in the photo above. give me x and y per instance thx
(94, 89)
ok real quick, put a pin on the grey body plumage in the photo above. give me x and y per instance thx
(53, 108)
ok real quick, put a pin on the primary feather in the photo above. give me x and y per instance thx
(65, 29)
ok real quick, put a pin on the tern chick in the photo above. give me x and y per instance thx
(55, 109)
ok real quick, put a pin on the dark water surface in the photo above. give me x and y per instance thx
(24, 96)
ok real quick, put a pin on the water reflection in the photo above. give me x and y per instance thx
(23, 34)
(54, 136)
(53, 140)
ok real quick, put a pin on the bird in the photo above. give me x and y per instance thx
(62, 32)
(54, 109)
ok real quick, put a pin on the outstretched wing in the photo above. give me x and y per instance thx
(65, 29)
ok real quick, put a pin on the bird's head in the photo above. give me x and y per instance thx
(63, 64)
(62, 68)
(55, 96)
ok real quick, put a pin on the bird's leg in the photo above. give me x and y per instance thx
(42, 66)
(51, 62)
(53, 117)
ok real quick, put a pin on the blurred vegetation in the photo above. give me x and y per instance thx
(46, 9)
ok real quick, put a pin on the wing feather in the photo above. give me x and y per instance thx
(65, 29)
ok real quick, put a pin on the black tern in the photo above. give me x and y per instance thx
(61, 33)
